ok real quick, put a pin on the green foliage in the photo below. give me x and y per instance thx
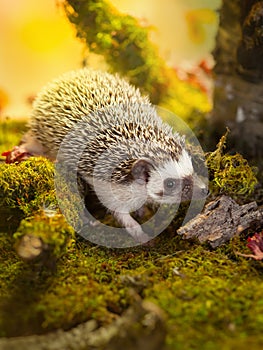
(230, 174)
(123, 42)
(126, 47)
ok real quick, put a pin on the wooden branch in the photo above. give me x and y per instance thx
(221, 220)
(141, 327)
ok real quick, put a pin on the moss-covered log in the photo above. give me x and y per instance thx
(125, 45)
(123, 42)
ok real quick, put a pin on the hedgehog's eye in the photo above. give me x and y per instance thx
(169, 184)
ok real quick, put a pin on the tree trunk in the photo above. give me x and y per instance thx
(238, 94)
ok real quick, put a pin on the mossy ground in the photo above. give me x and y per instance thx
(212, 298)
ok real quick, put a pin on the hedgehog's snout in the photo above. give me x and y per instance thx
(200, 189)
(187, 188)
(181, 190)
(192, 187)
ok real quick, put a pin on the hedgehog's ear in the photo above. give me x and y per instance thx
(141, 170)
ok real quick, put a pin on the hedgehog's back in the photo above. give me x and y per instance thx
(71, 98)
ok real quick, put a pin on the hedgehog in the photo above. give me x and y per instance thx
(130, 156)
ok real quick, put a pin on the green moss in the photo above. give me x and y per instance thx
(123, 42)
(230, 174)
(126, 47)
(212, 299)
(27, 185)
(53, 230)
(209, 297)
(20, 292)
(205, 295)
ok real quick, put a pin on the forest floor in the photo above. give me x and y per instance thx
(211, 298)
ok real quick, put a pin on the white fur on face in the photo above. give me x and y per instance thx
(180, 169)
(173, 170)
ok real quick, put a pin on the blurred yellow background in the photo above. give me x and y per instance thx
(37, 43)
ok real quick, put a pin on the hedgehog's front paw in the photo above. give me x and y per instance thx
(132, 226)
(137, 233)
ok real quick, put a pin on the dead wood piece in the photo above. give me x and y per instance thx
(141, 327)
(221, 220)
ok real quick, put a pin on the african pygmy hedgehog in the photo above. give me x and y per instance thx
(144, 162)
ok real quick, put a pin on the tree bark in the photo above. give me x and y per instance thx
(238, 93)
(221, 220)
